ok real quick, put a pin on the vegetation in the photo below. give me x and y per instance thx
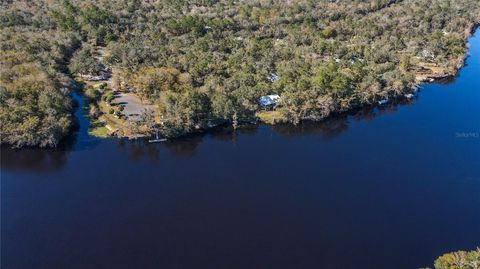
(35, 106)
(83, 62)
(459, 260)
(210, 60)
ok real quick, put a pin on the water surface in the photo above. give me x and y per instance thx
(384, 188)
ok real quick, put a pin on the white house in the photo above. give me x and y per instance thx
(269, 100)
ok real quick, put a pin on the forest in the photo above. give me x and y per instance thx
(211, 60)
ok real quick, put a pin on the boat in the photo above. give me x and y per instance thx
(413, 94)
(157, 140)
(383, 101)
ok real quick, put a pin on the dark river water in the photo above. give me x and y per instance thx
(385, 188)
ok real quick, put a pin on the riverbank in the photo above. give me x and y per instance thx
(390, 188)
(430, 72)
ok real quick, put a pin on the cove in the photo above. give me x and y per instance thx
(394, 187)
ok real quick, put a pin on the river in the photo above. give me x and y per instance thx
(382, 188)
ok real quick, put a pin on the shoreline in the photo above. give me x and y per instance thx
(433, 78)
(459, 63)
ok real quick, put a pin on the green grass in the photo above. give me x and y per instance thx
(97, 128)
(100, 131)
(270, 117)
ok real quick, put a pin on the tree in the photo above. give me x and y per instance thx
(459, 260)
(150, 82)
(83, 62)
(404, 64)
(328, 32)
(186, 111)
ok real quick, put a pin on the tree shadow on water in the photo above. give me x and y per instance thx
(32, 159)
(45, 160)
(338, 123)
(138, 149)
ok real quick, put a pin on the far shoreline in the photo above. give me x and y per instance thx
(395, 100)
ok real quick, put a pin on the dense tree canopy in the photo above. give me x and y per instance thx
(83, 62)
(329, 56)
(459, 260)
(35, 106)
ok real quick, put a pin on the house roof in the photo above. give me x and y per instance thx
(268, 100)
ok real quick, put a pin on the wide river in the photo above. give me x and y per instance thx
(382, 188)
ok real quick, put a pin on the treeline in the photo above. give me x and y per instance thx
(217, 57)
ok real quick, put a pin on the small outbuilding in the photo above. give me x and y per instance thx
(269, 101)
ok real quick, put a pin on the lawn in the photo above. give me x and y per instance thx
(270, 117)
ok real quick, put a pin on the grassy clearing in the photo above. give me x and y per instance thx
(100, 131)
(271, 117)
(96, 126)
